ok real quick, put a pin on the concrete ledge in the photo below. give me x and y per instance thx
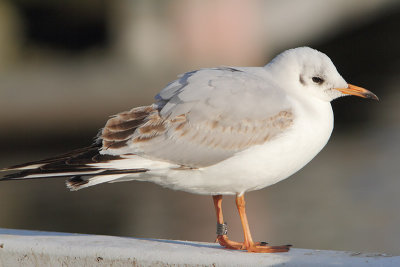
(34, 248)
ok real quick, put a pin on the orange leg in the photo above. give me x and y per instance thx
(223, 239)
(248, 243)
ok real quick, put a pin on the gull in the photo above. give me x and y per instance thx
(215, 131)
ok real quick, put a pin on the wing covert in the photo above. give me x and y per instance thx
(202, 118)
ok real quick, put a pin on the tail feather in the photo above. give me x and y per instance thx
(84, 166)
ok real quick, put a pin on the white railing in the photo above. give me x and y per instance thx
(35, 248)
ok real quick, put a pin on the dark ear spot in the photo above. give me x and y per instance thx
(301, 79)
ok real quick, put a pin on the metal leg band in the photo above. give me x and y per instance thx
(222, 229)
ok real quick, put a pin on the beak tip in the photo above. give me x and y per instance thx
(372, 96)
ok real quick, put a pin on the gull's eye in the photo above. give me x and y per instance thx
(318, 80)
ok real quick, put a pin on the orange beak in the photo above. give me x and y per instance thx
(357, 91)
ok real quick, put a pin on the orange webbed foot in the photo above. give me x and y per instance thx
(258, 247)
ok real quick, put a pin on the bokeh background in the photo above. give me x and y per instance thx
(65, 66)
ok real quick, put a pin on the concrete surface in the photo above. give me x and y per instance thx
(34, 248)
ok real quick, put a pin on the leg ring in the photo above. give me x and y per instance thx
(222, 229)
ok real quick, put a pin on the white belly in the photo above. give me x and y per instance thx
(261, 165)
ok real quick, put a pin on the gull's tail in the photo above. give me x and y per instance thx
(83, 167)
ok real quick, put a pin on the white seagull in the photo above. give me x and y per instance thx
(216, 131)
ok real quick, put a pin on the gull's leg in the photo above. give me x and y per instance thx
(248, 241)
(222, 238)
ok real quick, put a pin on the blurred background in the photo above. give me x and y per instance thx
(65, 66)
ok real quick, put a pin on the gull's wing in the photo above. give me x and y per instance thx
(202, 118)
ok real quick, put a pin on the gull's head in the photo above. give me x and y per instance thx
(311, 72)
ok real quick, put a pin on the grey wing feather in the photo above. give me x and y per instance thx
(203, 118)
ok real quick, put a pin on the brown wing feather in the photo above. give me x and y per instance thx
(180, 141)
(119, 129)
